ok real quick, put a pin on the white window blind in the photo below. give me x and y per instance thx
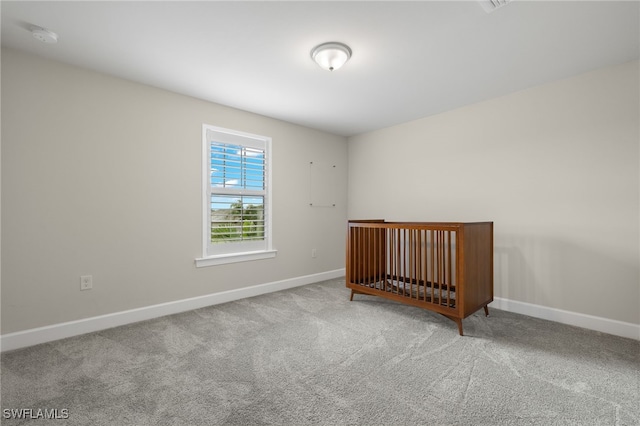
(237, 192)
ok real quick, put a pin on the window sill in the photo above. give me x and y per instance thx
(223, 259)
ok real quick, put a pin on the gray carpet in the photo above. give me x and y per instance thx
(309, 356)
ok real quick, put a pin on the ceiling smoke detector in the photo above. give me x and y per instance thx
(44, 35)
(491, 5)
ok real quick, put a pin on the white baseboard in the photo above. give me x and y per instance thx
(49, 333)
(604, 325)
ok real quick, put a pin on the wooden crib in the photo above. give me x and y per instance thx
(446, 267)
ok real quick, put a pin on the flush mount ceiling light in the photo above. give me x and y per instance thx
(44, 35)
(331, 56)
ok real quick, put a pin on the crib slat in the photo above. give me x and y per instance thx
(425, 266)
(372, 266)
(363, 258)
(445, 277)
(361, 251)
(394, 249)
(389, 259)
(401, 260)
(436, 259)
(419, 263)
(440, 267)
(436, 283)
(353, 252)
(392, 242)
(409, 255)
(412, 254)
(449, 265)
(386, 259)
(408, 273)
(357, 254)
(375, 255)
(368, 258)
(403, 270)
(431, 252)
(398, 260)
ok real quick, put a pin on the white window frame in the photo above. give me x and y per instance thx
(222, 253)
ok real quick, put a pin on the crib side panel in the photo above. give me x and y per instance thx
(478, 266)
(414, 263)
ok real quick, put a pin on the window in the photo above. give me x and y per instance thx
(236, 196)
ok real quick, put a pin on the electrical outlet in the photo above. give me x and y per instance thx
(314, 253)
(86, 282)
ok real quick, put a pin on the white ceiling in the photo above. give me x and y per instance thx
(410, 59)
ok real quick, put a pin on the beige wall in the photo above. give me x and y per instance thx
(555, 167)
(102, 176)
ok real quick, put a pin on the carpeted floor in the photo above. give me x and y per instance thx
(309, 356)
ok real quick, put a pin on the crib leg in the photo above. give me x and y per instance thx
(351, 298)
(486, 310)
(457, 321)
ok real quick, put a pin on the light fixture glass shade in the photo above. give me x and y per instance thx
(331, 56)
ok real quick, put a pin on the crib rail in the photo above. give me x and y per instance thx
(422, 264)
